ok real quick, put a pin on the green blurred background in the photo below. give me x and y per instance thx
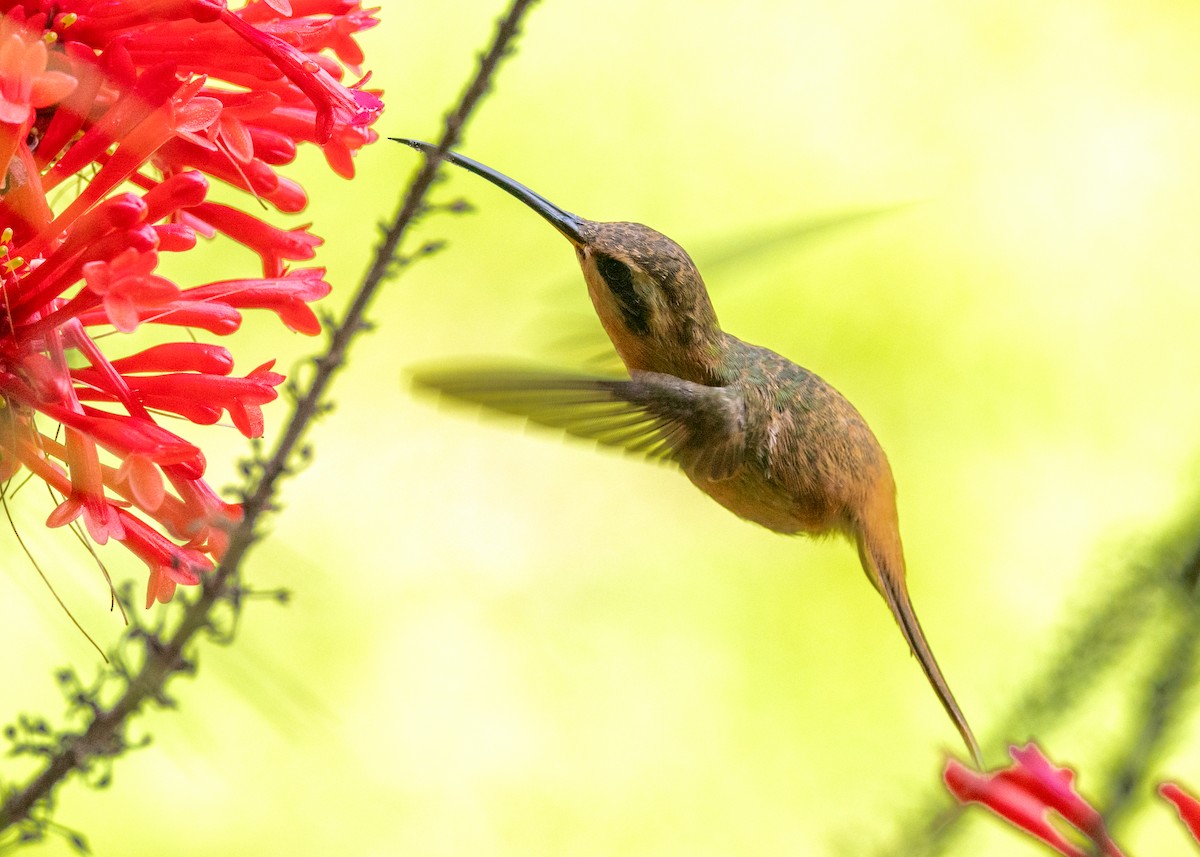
(505, 644)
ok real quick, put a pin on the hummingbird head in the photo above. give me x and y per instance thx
(649, 296)
(647, 292)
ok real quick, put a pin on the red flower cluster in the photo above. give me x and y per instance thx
(115, 115)
(1033, 794)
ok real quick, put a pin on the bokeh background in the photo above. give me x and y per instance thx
(505, 644)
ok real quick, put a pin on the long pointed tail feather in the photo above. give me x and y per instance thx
(887, 575)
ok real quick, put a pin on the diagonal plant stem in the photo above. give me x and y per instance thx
(164, 657)
(1161, 699)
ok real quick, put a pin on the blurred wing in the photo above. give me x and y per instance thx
(793, 236)
(658, 416)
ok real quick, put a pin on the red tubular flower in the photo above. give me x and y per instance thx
(126, 285)
(1186, 805)
(274, 246)
(1031, 794)
(164, 96)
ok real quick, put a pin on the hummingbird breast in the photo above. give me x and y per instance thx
(811, 460)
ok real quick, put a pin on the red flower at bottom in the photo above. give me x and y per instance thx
(1031, 794)
(1186, 805)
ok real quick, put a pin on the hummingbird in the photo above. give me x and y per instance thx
(767, 439)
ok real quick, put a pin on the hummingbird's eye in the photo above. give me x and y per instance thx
(615, 272)
(619, 279)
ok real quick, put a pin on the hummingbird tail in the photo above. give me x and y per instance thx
(886, 571)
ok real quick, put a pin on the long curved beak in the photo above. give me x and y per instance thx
(568, 224)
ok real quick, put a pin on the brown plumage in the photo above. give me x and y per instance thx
(767, 439)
